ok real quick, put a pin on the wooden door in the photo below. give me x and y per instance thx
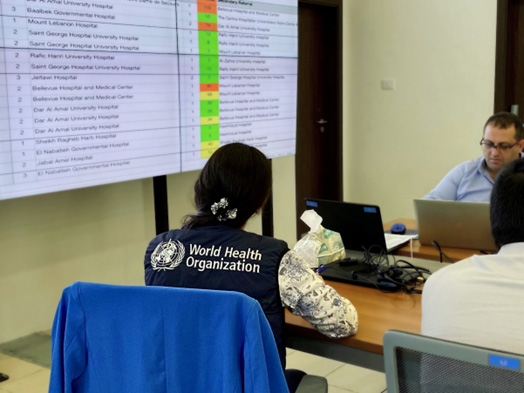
(509, 69)
(318, 159)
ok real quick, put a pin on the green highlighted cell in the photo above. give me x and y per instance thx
(209, 68)
(209, 18)
(209, 78)
(209, 133)
(209, 108)
(208, 42)
(209, 65)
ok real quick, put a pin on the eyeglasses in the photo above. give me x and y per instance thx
(488, 145)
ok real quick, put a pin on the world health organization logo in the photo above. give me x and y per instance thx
(167, 255)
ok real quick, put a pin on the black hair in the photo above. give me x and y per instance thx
(507, 204)
(505, 120)
(240, 174)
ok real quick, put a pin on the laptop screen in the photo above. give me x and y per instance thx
(360, 226)
(454, 224)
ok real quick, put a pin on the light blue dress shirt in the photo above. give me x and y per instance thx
(467, 182)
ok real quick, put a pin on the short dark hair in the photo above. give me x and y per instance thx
(505, 120)
(507, 204)
(237, 172)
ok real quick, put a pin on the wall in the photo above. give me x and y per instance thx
(94, 234)
(400, 143)
(397, 144)
(49, 241)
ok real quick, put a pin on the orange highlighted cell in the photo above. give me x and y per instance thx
(207, 26)
(208, 87)
(207, 7)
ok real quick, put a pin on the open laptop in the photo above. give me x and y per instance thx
(360, 226)
(454, 224)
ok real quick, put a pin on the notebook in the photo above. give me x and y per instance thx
(454, 224)
(360, 226)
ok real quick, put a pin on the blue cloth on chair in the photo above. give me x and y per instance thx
(109, 338)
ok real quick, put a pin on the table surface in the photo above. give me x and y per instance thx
(417, 250)
(377, 313)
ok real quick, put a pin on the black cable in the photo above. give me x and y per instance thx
(409, 280)
(419, 270)
(410, 265)
(383, 290)
(379, 263)
(487, 252)
(437, 246)
(360, 276)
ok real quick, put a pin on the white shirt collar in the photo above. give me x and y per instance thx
(512, 249)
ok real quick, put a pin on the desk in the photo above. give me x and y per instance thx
(427, 252)
(378, 312)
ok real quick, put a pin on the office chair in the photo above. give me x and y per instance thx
(109, 338)
(416, 363)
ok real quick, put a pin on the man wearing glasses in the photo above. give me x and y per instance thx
(472, 181)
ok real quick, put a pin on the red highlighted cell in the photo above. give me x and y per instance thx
(207, 26)
(208, 87)
(207, 7)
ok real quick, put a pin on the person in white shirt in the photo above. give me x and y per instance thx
(480, 300)
(502, 142)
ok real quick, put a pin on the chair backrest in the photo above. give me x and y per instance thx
(109, 338)
(416, 363)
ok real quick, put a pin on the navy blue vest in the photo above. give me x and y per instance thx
(222, 258)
